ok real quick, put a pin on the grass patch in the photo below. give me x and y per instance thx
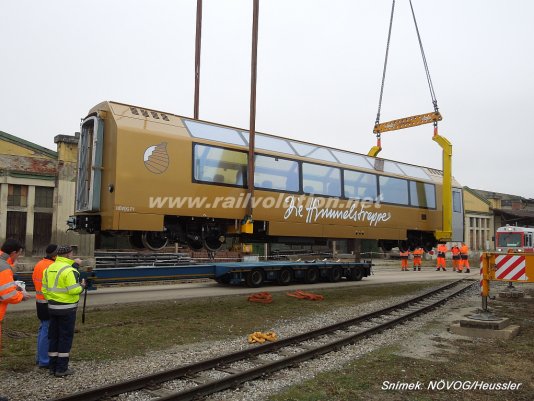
(121, 331)
(464, 359)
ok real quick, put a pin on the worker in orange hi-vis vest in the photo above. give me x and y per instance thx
(455, 257)
(464, 261)
(442, 250)
(404, 255)
(417, 256)
(10, 292)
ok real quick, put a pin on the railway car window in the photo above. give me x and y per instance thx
(393, 190)
(218, 165)
(414, 171)
(274, 144)
(321, 180)
(422, 195)
(276, 173)
(509, 239)
(391, 167)
(316, 152)
(359, 185)
(456, 201)
(214, 133)
(352, 159)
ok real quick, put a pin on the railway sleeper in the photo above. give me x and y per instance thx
(229, 370)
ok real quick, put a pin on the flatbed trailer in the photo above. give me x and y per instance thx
(251, 274)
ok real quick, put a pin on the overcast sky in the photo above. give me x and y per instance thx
(319, 72)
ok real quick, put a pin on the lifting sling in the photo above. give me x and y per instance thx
(411, 121)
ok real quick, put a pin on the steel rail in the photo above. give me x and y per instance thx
(238, 378)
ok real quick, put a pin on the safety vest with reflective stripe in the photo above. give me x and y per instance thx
(8, 259)
(8, 289)
(37, 278)
(60, 284)
(418, 253)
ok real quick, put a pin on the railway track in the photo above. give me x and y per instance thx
(229, 371)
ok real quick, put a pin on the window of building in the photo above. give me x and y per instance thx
(44, 197)
(321, 180)
(276, 173)
(360, 185)
(17, 195)
(456, 201)
(219, 165)
(393, 190)
(422, 195)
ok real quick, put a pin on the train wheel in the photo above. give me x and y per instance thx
(254, 278)
(311, 276)
(334, 275)
(135, 240)
(194, 242)
(214, 243)
(154, 240)
(285, 277)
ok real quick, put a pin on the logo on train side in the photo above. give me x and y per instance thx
(156, 158)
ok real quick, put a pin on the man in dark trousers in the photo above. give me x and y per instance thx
(62, 289)
(41, 305)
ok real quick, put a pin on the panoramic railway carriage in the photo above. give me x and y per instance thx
(160, 178)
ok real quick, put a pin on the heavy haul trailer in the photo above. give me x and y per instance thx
(251, 274)
(160, 178)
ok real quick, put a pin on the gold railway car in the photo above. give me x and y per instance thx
(161, 178)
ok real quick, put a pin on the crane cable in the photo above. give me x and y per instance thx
(377, 121)
(427, 71)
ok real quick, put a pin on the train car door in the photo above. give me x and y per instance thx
(89, 165)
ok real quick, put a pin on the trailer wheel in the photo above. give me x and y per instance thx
(285, 276)
(224, 279)
(334, 275)
(355, 275)
(311, 276)
(254, 278)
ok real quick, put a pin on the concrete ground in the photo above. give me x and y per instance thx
(383, 272)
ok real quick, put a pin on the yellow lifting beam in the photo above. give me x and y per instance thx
(407, 122)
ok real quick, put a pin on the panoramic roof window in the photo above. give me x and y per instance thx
(272, 143)
(391, 167)
(352, 159)
(414, 171)
(316, 152)
(303, 149)
(214, 133)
